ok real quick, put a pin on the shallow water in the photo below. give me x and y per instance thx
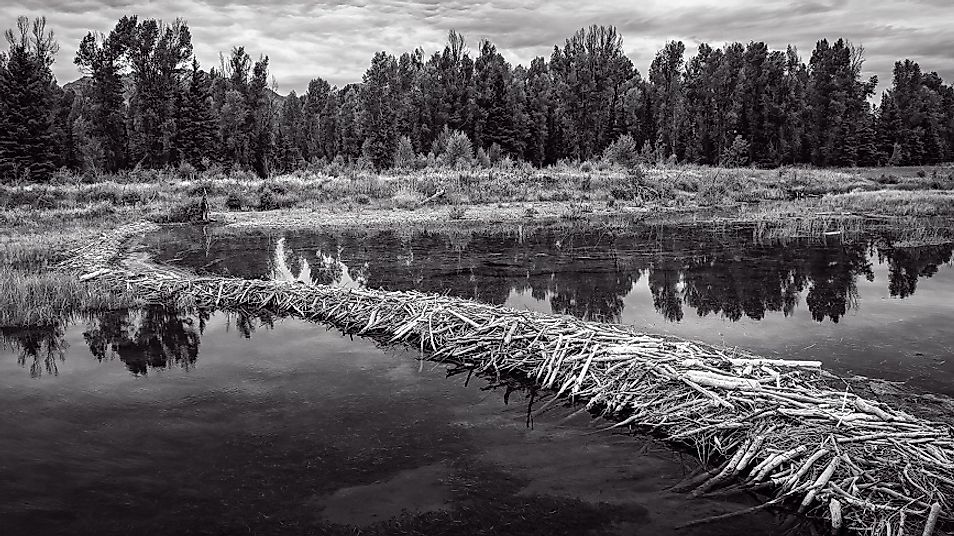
(150, 422)
(865, 307)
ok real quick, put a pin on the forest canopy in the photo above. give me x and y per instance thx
(145, 102)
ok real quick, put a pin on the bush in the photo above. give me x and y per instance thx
(457, 212)
(235, 201)
(737, 155)
(406, 200)
(404, 156)
(623, 152)
(189, 211)
(630, 186)
(483, 159)
(268, 197)
(459, 151)
(439, 144)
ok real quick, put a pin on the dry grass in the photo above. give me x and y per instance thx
(893, 202)
(36, 294)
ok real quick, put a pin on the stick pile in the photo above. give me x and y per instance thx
(775, 425)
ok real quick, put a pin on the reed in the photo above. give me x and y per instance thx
(780, 426)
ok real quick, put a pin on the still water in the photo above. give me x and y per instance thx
(865, 307)
(158, 422)
(152, 422)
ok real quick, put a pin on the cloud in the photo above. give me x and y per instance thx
(335, 39)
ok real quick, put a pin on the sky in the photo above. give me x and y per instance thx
(335, 39)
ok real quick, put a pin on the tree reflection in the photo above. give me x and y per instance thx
(154, 337)
(589, 272)
(39, 347)
(907, 265)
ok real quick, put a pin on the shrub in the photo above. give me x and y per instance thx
(235, 201)
(266, 200)
(629, 186)
(457, 212)
(496, 153)
(404, 156)
(405, 199)
(459, 151)
(483, 160)
(189, 211)
(439, 144)
(623, 152)
(737, 155)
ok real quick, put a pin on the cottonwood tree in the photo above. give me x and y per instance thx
(103, 58)
(590, 73)
(158, 55)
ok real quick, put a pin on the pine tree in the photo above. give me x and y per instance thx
(27, 101)
(258, 122)
(196, 132)
(315, 122)
(496, 110)
(591, 74)
(379, 101)
(404, 156)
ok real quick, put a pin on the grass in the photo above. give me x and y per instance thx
(38, 221)
(156, 195)
(34, 293)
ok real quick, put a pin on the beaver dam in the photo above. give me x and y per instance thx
(786, 429)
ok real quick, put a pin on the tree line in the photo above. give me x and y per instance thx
(145, 102)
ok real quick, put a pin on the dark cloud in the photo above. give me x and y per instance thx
(335, 39)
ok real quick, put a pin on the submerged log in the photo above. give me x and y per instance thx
(856, 462)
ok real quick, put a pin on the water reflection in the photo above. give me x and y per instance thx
(38, 347)
(584, 272)
(142, 339)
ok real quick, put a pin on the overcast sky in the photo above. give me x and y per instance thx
(335, 39)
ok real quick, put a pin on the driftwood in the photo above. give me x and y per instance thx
(775, 425)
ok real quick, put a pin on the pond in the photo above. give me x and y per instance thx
(157, 422)
(863, 307)
(153, 422)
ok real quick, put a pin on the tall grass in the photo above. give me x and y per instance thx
(34, 293)
(158, 194)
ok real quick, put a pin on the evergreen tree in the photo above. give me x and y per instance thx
(317, 141)
(258, 121)
(27, 100)
(291, 129)
(379, 102)
(196, 133)
(497, 110)
(838, 101)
